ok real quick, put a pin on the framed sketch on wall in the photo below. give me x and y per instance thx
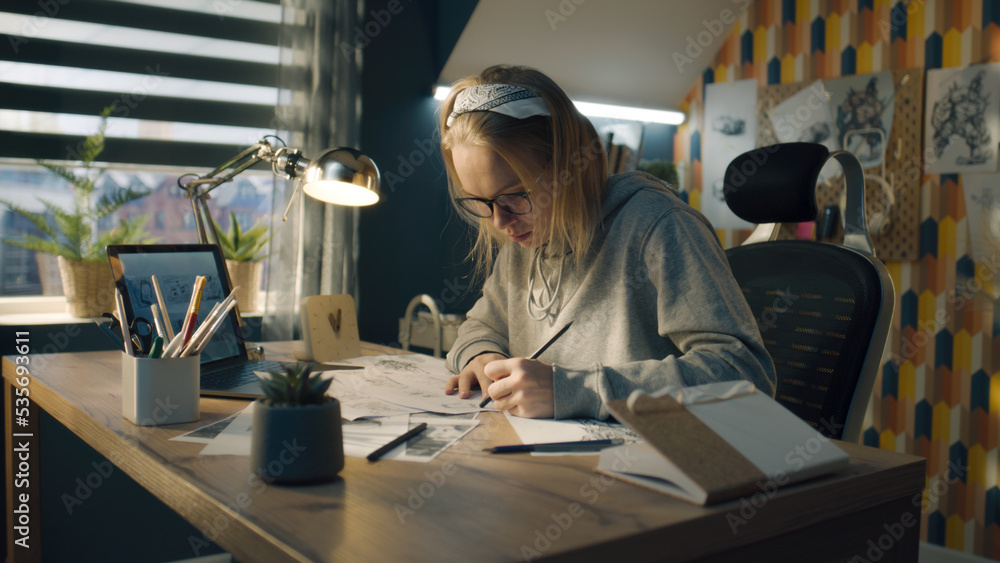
(962, 119)
(730, 130)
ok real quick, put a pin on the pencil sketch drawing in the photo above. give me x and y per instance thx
(960, 115)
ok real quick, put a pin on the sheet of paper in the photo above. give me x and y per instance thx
(962, 119)
(731, 130)
(411, 380)
(863, 102)
(442, 431)
(363, 436)
(982, 204)
(232, 435)
(234, 439)
(539, 431)
(355, 405)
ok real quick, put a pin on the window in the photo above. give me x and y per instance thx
(193, 83)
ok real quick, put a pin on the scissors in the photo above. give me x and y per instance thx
(141, 332)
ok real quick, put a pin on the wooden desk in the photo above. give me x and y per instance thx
(467, 505)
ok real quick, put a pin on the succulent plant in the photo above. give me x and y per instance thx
(295, 385)
(243, 245)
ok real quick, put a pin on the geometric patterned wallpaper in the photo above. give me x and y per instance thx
(938, 394)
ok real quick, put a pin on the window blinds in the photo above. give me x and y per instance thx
(193, 81)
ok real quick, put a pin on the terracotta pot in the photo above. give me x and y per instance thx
(296, 445)
(89, 287)
(247, 276)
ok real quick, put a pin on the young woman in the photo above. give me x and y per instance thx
(640, 274)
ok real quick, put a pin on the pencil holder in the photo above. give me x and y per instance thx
(159, 391)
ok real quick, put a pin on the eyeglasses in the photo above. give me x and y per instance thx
(514, 204)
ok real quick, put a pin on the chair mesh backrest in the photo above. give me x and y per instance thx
(816, 305)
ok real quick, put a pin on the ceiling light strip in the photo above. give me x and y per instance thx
(589, 109)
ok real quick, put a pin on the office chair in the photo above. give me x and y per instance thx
(823, 309)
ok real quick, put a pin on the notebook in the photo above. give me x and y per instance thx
(226, 369)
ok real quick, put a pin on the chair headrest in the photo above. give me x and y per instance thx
(775, 184)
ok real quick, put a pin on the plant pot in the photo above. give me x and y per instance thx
(89, 287)
(296, 445)
(247, 276)
(48, 274)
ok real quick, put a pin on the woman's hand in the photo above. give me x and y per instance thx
(521, 386)
(472, 374)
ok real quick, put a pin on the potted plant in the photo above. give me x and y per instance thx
(72, 234)
(662, 169)
(296, 435)
(243, 251)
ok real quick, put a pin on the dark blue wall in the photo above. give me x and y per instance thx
(411, 241)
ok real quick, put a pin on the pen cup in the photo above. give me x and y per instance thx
(159, 391)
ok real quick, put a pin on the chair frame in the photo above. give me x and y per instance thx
(857, 240)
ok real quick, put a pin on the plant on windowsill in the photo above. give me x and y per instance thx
(71, 235)
(296, 434)
(243, 250)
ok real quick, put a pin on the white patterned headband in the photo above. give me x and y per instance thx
(507, 99)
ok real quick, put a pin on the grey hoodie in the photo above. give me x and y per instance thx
(653, 303)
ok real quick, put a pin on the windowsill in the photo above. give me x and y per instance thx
(46, 310)
(36, 310)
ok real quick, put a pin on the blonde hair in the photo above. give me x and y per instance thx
(566, 139)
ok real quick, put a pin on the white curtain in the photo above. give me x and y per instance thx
(315, 251)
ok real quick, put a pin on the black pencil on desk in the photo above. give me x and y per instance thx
(374, 456)
(534, 356)
(558, 447)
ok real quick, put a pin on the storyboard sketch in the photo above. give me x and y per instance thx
(962, 119)
(731, 130)
(355, 405)
(415, 381)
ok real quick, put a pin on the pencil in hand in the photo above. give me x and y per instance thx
(534, 356)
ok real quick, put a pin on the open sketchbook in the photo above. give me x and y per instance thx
(716, 442)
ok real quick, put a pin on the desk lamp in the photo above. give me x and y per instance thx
(342, 176)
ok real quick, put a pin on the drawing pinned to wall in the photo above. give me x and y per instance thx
(730, 130)
(962, 119)
(982, 204)
(862, 103)
(806, 117)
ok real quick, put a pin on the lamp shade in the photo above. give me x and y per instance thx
(342, 176)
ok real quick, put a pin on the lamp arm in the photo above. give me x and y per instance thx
(198, 189)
